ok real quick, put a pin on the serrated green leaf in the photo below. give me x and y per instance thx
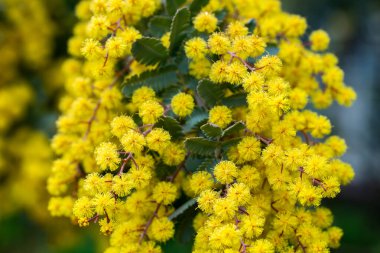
(201, 146)
(221, 15)
(210, 92)
(169, 93)
(207, 164)
(156, 79)
(197, 117)
(251, 25)
(235, 100)
(164, 171)
(182, 62)
(231, 142)
(173, 5)
(171, 125)
(149, 51)
(191, 82)
(197, 5)
(178, 29)
(159, 25)
(238, 126)
(192, 163)
(211, 131)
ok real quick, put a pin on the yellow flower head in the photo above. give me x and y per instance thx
(205, 22)
(220, 116)
(182, 104)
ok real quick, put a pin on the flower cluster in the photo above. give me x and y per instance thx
(24, 153)
(205, 112)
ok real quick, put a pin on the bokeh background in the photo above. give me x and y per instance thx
(354, 27)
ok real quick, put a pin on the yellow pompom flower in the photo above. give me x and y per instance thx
(201, 181)
(173, 154)
(236, 72)
(337, 145)
(220, 116)
(161, 229)
(116, 47)
(225, 209)
(254, 81)
(237, 29)
(133, 142)
(196, 48)
(122, 185)
(139, 177)
(165, 193)
(253, 224)
(106, 156)
(121, 125)
(219, 43)
(142, 95)
(158, 139)
(319, 40)
(249, 176)
(249, 149)
(218, 72)
(320, 126)
(258, 46)
(206, 201)
(83, 208)
(205, 22)
(269, 65)
(102, 202)
(182, 104)
(92, 49)
(262, 246)
(334, 235)
(225, 172)
(239, 193)
(225, 236)
(150, 111)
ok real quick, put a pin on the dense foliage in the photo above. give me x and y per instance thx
(199, 104)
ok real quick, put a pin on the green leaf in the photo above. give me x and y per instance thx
(159, 25)
(180, 210)
(173, 5)
(207, 164)
(164, 171)
(197, 5)
(169, 93)
(198, 116)
(201, 146)
(171, 125)
(210, 92)
(251, 25)
(178, 29)
(149, 51)
(238, 126)
(192, 163)
(221, 16)
(156, 79)
(231, 142)
(235, 100)
(211, 131)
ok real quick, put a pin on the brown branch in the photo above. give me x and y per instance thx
(234, 56)
(92, 119)
(263, 139)
(307, 137)
(147, 225)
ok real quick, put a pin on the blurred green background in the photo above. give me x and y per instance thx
(354, 27)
